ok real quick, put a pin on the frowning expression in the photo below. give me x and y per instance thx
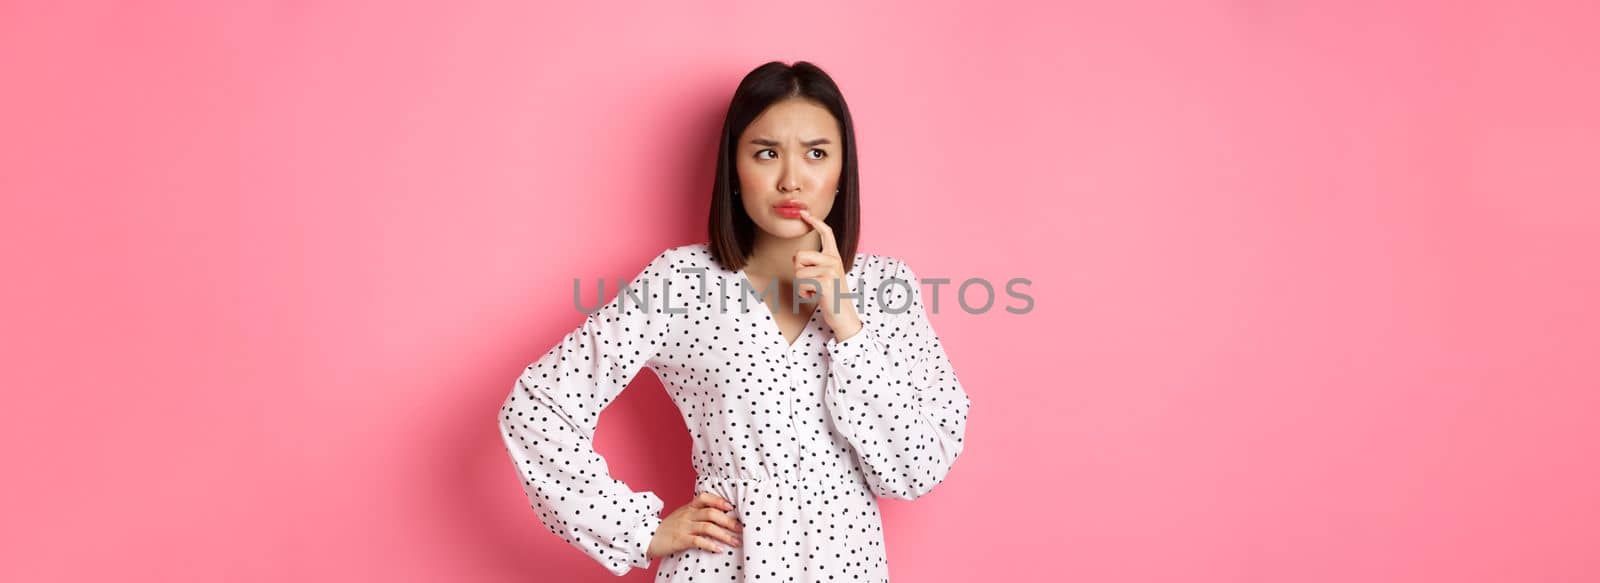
(789, 157)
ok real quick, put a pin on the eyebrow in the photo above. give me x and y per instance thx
(767, 142)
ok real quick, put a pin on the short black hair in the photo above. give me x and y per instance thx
(731, 232)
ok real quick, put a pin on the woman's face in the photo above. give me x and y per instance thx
(791, 154)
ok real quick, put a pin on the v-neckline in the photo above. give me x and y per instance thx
(772, 316)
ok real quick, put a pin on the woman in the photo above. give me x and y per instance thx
(832, 391)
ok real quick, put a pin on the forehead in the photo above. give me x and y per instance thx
(794, 119)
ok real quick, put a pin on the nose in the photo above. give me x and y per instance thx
(789, 180)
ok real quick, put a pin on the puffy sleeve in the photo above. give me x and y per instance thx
(892, 394)
(548, 423)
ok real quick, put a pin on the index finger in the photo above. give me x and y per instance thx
(710, 499)
(828, 245)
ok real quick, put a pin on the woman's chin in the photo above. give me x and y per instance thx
(787, 229)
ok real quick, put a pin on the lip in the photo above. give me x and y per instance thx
(789, 209)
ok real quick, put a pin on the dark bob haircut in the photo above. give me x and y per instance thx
(732, 233)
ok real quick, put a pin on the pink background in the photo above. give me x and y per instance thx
(1316, 283)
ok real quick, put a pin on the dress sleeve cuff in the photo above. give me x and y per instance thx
(849, 351)
(641, 541)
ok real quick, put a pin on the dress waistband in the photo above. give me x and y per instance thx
(790, 474)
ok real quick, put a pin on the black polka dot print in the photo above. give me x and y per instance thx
(802, 438)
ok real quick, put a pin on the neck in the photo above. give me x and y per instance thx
(774, 257)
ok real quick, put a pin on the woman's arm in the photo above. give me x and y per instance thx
(893, 394)
(548, 423)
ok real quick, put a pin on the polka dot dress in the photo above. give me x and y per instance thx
(800, 437)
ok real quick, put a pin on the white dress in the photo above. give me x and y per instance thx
(798, 438)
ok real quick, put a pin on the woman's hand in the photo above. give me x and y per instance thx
(827, 269)
(694, 525)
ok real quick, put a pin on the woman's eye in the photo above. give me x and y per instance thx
(761, 153)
